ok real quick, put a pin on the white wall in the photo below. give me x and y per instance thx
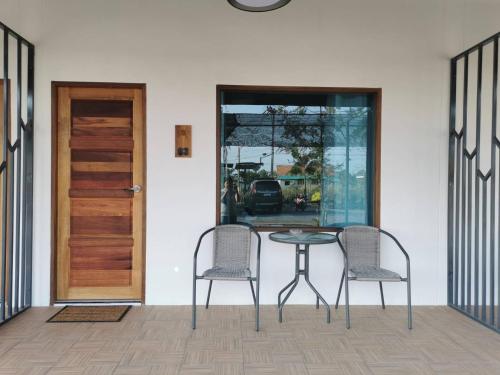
(23, 16)
(181, 49)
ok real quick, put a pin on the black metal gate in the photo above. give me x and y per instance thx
(16, 172)
(473, 186)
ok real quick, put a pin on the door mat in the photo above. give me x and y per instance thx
(90, 314)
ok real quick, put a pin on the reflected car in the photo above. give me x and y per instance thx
(264, 196)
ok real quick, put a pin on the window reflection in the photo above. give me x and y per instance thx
(308, 163)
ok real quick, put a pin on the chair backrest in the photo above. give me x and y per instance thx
(362, 244)
(232, 246)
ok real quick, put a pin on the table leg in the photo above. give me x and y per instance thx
(284, 290)
(292, 284)
(296, 282)
(306, 276)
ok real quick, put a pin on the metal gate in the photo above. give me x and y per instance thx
(473, 186)
(16, 172)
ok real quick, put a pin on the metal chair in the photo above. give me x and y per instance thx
(361, 248)
(231, 261)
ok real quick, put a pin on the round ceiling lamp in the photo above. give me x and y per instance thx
(258, 5)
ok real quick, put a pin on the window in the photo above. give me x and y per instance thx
(298, 157)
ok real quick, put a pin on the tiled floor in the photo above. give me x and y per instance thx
(159, 340)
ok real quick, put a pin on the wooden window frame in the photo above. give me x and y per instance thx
(377, 92)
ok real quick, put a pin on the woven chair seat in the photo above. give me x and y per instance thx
(373, 273)
(226, 273)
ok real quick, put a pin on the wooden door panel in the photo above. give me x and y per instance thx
(100, 278)
(105, 225)
(100, 167)
(100, 180)
(98, 122)
(102, 126)
(101, 258)
(74, 193)
(100, 207)
(86, 131)
(108, 108)
(101, 242)
(100, 154)
(98, 143)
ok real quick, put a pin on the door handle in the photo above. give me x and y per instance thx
(134, 189)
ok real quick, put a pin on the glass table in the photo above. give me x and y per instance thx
(304, 239)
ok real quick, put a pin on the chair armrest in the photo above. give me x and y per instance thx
(401, 248)
(254, 231)
(195, 258)
(340, 244)
(344, 252)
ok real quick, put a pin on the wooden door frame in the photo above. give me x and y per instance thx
(54, 196)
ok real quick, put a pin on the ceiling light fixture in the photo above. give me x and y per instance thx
(258, 5)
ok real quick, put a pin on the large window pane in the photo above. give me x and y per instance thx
(296, 159)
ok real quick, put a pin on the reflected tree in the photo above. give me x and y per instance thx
(301, 138)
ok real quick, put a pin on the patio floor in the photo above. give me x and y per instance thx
(159, 340)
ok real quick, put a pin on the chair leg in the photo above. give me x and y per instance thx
(410, 315)
(257, 315)
(340, 290)
(381, 294)
(208, 295)
(193, 322)
(347, 315)
(253, 292)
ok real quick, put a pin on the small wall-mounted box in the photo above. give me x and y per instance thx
(182, 141)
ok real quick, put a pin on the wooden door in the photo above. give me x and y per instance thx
(100, 134)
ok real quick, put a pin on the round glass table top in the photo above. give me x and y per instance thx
(306, 238)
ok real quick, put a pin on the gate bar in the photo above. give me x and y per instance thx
(4, 171)
(451, 178)
(493, 194)
(28, 172)
(18, 153)
(476, 181)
